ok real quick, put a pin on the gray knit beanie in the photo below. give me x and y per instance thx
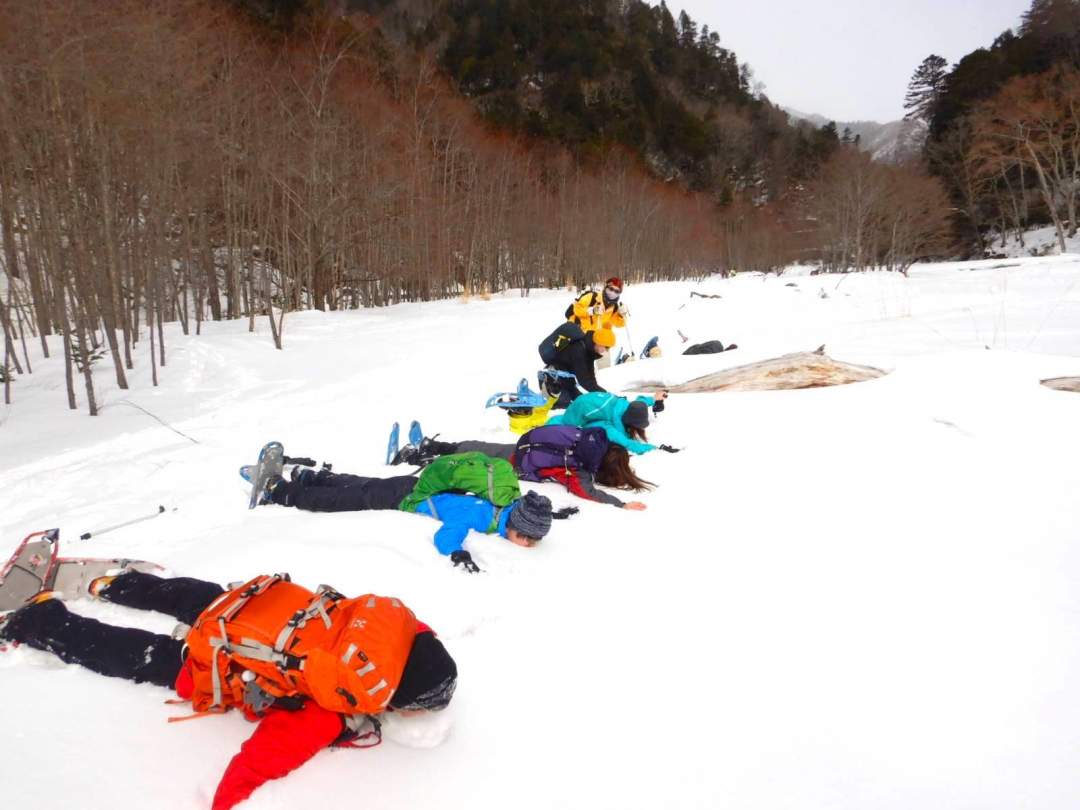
(531, 515)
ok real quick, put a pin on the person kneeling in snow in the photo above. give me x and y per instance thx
(309, 683)
(573, 351)
(524, 522)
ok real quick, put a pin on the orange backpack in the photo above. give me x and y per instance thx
(270, 638)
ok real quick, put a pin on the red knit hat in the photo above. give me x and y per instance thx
(614, 281)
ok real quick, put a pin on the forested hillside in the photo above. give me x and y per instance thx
(249, 158)
(1005, 129)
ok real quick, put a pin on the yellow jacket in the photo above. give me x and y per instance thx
(592, 313)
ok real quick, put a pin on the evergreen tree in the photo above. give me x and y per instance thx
(925, 88)
(1051, 18)
(687, 31)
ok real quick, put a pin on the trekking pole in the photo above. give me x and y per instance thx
(630, 341)
(160, 511)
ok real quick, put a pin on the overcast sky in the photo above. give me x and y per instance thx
(848, 59)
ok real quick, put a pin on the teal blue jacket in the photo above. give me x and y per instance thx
(601, 409)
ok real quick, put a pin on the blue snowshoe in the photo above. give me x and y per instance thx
(523, 397)
(392, 444)
(416, 435)
(549, 379)
(653, 343)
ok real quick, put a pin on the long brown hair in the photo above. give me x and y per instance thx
(615, 471)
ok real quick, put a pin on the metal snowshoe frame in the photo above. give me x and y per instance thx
(271, 463)
(36, 566)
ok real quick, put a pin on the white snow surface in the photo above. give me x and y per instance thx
(855, 597)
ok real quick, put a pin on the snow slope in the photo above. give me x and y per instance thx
(852, 597)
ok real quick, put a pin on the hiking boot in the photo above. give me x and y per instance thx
(266, 496)
(304, 476)
(409, 454)
(98, 584)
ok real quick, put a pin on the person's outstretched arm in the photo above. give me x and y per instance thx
(581, 484)
(282, 743)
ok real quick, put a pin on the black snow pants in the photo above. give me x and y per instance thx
(708, 347)
(119, 652)
(338, 492)
(493, 449)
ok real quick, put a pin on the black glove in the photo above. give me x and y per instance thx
(464, 559)
(658, 406)
(667, 448)
(564, 513)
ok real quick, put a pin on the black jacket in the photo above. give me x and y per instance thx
(578, 358)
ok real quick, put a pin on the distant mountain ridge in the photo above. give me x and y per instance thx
(891, 142)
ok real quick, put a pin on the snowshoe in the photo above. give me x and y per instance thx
(523, 398)
(269, 468)
(74, 574)
(392, 444)
(416, 434)
(549, 380)
(654, 343)
(30, 569)
(35, 570)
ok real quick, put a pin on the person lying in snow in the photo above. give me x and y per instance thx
(525, 521)
(574, 351)
(623, 421)
(308, 687)
(576, 458)
(710, 347)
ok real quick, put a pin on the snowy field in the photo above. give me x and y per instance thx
(845, 598)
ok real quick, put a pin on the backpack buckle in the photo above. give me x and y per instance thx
(257, 698)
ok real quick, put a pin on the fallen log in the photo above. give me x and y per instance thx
(791, 371)
(1063, 384)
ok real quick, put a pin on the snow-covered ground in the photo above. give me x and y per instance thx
(1037, 242)
(845, 598)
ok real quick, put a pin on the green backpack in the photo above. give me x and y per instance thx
(491, 478)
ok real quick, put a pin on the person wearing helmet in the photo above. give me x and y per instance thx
(594, 311)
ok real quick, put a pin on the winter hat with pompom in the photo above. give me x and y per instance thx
(531, 515)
